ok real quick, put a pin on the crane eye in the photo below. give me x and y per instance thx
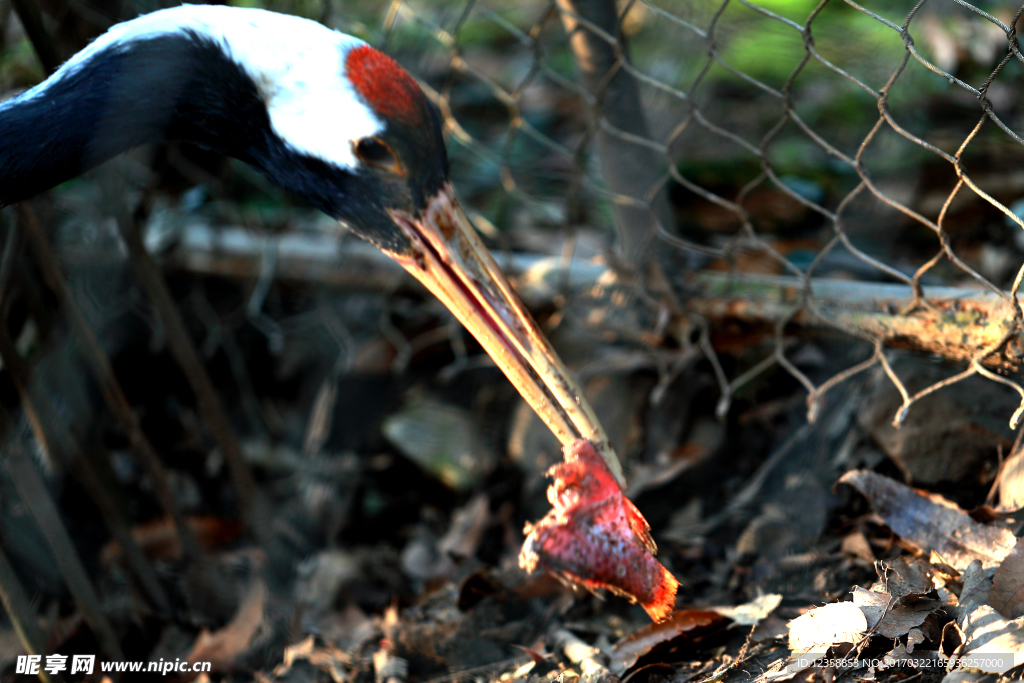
(376, 152)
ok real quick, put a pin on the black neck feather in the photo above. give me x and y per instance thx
(178, 87)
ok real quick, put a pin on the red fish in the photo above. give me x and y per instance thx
(596, 537)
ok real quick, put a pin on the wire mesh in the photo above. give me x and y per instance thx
(808, 140)
(834, 146)
(842, 149)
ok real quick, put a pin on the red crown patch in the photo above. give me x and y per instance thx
(386, 87)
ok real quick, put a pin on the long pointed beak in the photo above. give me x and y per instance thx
(451, 261)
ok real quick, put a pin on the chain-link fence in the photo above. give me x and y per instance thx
(703, 181)
(783, 159)
(788, 164)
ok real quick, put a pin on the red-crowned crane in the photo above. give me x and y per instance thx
(340, 124)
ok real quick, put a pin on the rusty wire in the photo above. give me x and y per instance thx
(511, 57)
(483, 56)
(685, 72)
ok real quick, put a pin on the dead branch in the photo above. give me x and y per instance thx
(53, 435)
(959, 324)
(104, 373)
(255, 507)
(40, 505)
(23, 616)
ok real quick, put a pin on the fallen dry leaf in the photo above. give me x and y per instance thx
(1011, 482)
(905, 577)
(684, 623)
(586, 658)
(388, 668)
(596, 537)
(773, 628)
(751, 613)
(931, 522)
(857, 545)
(221, 648)
(899, 619)
(1007, 594)
(469, 523)
(981, 638)
(994, 644)
(904, 650)
(330, 660)
(159, 539)
(948, 435)
(322, 576)
(977, 584)
(822, 627)
(429, 559)
(951, 640)
(875, 612)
